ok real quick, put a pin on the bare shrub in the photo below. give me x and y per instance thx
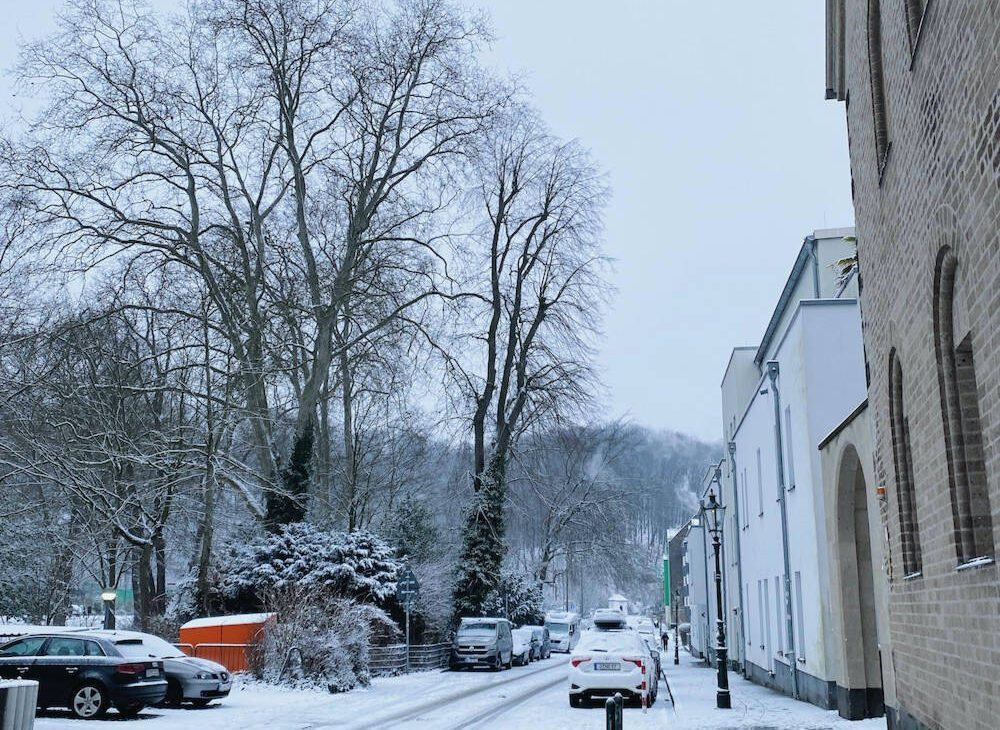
(319, 640)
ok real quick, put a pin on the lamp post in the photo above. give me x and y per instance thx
(108, 595)
(677, 631)
(722, 698)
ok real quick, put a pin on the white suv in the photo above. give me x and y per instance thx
(605, 662)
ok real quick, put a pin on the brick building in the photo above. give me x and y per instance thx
(921, 84)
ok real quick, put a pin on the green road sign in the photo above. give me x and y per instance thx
(666, 581)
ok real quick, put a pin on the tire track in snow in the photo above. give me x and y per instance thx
(506, 705)
(415, 712)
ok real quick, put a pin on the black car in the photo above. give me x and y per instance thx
(84, 672)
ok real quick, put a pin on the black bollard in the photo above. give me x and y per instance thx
(619, 711)
(611, 715)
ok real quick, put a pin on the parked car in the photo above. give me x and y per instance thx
(523, 650)
(189, 679)
(482, 642)
(564, 630)
(606, 662)
(85, 672)
(654, 651)
(542, 643)
(609, 619)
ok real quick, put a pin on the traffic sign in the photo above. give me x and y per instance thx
(407, 586)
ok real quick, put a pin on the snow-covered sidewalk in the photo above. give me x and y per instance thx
(693, 685)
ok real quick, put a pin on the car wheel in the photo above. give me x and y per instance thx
(88, 701)
(201, 702)
(174, 694)
(130, 710)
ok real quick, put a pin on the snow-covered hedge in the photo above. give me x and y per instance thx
(357, 565)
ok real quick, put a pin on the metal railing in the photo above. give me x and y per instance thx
(390, 660)
(382, 660)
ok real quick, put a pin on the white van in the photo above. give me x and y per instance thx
(564, 630)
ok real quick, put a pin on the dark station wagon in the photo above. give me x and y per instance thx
(84, 672)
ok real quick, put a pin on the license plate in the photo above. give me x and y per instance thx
(152, 672)
(607, 667)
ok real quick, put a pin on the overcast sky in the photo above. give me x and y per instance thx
(709, 117)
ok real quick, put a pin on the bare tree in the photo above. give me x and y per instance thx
(540, 299)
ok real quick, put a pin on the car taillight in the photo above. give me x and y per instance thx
(637, 661)
(578, 660)
(131, 668)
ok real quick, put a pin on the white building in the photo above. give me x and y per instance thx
(695, 594)
(781, 399)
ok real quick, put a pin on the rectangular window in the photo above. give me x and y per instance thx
(746, 500)
(778, 616)
(790, 454)
(760, 487)
(767, 626)
(761, 616)
(801, 643)
(746, 619)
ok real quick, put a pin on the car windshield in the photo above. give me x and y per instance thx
(146, 647)
(522, 634)
(477, 629)
(557, 628)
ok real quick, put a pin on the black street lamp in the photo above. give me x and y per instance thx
(108, 595)
(677, 619)
(722, 698)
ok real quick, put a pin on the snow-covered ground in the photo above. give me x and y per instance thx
(533, 696)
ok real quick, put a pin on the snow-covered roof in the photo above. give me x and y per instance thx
(238, 620)
(618, 597)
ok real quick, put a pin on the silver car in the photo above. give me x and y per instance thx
(189, 679)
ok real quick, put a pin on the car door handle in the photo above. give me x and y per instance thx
(22, 670)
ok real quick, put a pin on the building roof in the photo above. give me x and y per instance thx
(237, 620)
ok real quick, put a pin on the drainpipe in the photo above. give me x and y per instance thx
(772, 373)
(814, 253)
(739, 560)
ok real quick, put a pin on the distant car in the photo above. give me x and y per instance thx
(189, 679)
(609, 619)
(524, 647)
(542, 643)
(564, 630)
(84, 672)
(482, 642)
(606, 662)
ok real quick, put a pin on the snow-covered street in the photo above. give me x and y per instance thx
(533, 696)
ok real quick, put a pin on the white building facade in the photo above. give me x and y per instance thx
(781, 399)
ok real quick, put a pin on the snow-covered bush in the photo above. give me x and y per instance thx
(518, 597)
(357, 565)
(319, 640)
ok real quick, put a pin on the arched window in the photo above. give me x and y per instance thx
(906, 498)
(960, 412)
(879, 110)
(914, 17)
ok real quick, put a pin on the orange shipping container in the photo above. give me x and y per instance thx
(224, 639)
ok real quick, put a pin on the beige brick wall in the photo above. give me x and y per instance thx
(941, 185)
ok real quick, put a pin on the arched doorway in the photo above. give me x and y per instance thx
(861, 694)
